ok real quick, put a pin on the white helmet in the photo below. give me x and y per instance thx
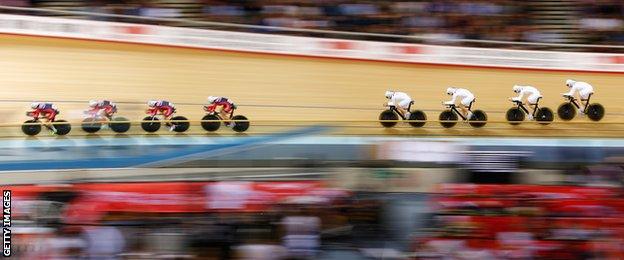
(389, 93)
(212, 99)
(517, 88)
(34, 105)
(152, 103)
(451, 91)
(93, 103)
(570, 83)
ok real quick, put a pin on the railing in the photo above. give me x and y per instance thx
(364, 127)
(311, 32)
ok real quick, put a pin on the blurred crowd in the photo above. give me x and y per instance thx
(499, 19)
(524, 222)
(600, 22)
(579, 218)
(127, 222)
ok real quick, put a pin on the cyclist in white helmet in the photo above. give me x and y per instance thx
(584, 89)
(466, 99)
(400, 100)
(532, 96)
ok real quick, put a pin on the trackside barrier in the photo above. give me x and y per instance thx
(308, 46)
(312, 121)
(271, 29)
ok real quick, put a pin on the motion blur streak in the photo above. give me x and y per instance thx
(316, 176)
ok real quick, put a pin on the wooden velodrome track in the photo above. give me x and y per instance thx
(271, 87)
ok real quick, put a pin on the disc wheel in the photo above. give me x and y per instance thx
(544, 116)
(180, 127)
(31, 127)
(566, 111)
(388, 115)
(448, 119)
(122, 127)
(515, 115)
(211, 126)
(595, 112)
(90, 125)
(418, 115)
(240, 126)
(480, 116)
(150, 124)
(62, 127)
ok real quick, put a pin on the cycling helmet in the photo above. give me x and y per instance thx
(517, 88)
(34, 105)
(389, 93)
(570, 83)
(451, 91)
(152, 103)
(212, 99)
(93, 103)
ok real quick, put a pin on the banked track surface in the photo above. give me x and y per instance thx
(280, 92)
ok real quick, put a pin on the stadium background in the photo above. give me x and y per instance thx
(286, 89)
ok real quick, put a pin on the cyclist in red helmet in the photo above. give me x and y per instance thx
(164, 108)
(47, 111)
(102, 108)
(226, 104)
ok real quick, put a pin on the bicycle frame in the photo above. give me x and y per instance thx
(454, 109)
(394, 109)
(572, 100)
(214, 112)
(526, 110)
(94, 114)
(38, 117)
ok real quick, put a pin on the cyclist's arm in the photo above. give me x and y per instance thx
(573, 89)
(521, 94)
(35, 113)
(211, 107)
(454, 98)
(394, 100)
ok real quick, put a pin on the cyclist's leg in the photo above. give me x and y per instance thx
(49, 120)
(533, 102)
(167, 113)
(226, 115)
(585, 97)
(403, 108)
(466, 106)
(109, 111)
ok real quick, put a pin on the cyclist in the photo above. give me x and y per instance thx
(227, 107)
(102, 108)
(584, 89)
(533, 96)
(48, 111)
(400, 100)
(164, 108)
(466, 99)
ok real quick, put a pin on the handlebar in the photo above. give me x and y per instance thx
(515, 101)
(448, 105)
(207, 109)
(570, 98)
